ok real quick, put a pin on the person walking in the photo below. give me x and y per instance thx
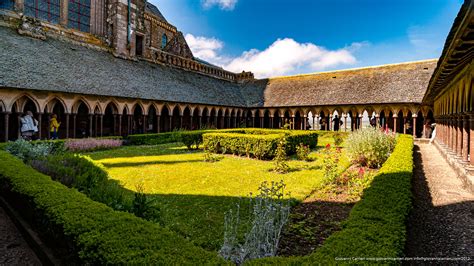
(29, 126)
(54, 126)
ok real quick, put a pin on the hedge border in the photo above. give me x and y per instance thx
(95, 233)
(376, 227)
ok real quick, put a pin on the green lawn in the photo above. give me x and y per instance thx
(194, 195)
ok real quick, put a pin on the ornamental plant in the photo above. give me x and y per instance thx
(281, 166)
(91, 144)
(370, 147)
(270, 214)
(331, 159)
(302, 152)
(27, 150)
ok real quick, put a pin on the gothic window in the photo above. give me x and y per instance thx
(164, 41)
(43, 9)
(7, 4)
(79, 14)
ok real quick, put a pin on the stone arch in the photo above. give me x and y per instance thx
(138, 116)
(186, 117)
(176, 118)
(78, 102)
(55, 105)
(152, 118)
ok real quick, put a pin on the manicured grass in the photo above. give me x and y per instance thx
(194, 195)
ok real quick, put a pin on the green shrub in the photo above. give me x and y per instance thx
(370, 147)
(258, 143)
(27, 150)
(302, 152)
(94, 233)
(338, 139)
(281, 166)
(152, 139)
(376, 225)
(192, 139)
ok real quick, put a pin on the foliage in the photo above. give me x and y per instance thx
(281, 166)
(338, 139)
(143, 206)
(91, 144)
(95, 233)
(302, 152)
(211, 157)
(82, 173)
(270, 214)
(192, 139)
(354, 182)
(152, 139)
(370, 147)
(376, 226)
(258, 143)
(331, 159)
(27, 150)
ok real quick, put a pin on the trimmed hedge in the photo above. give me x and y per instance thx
(376, 225)
(95, 233)
(153, 139)
(259, 143)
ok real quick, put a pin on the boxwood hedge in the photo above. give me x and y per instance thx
(92, 232)
(376, 225)
(259, 143)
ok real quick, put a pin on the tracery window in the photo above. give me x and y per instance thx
(79, 14)
(164, 41)
(43, 9)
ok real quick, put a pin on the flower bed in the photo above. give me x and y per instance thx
(91, 144)
(376, 226)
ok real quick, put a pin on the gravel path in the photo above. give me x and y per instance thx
(441, 224)
(13, 248)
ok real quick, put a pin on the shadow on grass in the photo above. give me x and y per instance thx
(136, 164)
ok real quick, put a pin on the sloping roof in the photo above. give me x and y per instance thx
(155, 11)
(54, 65)
(396, 83)
(458, 51)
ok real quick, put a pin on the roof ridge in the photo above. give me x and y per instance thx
(353, 69)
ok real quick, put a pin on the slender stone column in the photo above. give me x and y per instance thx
(453, 134)
(261, 122)
(7, 116)
(235, 122)
(459, 131)
(129, 124)
(90, 125)
(271, 122)
(216, 122)
(345, 123)
(305, 122)
(101, 118)
(96, 121)
(171, 123)
(471, 139)
(395, 123)
(145, 124)
(40, 116)
(74, 126)
(67, 125)
(404, 125)
(449, 136)
(414, 126)
(281, 123)
(120, 125)
(292, 122)
(465, 138)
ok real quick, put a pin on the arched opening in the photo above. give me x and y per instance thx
(195, 119)
(109, 123)
(382, 120)
(152, 123)
(3, 130)
(82, 121)
(57, 108)
(408, 126)
(138, 124)
(266, 119)
(336, 121)
(187, 119)
(205, 118)
(323, 121)
(256, 120)
(165, 120)
(177, 119)
(427, 129)
(400, 122)
(125, 123)
(226, 118)
(220, 119)
(212, 119)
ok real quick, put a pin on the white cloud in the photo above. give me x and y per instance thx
(223, 4)
(283, 57)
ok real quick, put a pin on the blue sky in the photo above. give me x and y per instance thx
(286, 37)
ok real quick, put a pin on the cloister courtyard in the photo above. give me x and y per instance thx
(119, 145)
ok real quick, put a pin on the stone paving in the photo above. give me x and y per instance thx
(441, 224)
(13, 248)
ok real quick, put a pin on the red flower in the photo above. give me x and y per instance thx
(328, 146)
(361, 171)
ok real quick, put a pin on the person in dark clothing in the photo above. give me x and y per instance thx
(336, 122)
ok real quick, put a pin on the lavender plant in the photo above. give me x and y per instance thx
(91, 144)
(270, 213)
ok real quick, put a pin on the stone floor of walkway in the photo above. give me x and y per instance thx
(441, 224)
(13, 248)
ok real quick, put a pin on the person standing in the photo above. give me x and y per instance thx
(54, 126)
(29, 126)
(335, 122)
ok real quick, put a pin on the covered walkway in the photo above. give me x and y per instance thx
(441, 224)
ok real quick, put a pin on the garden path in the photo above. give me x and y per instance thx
(13, 248)
(441, 224)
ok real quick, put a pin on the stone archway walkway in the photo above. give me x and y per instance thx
(441, 223)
